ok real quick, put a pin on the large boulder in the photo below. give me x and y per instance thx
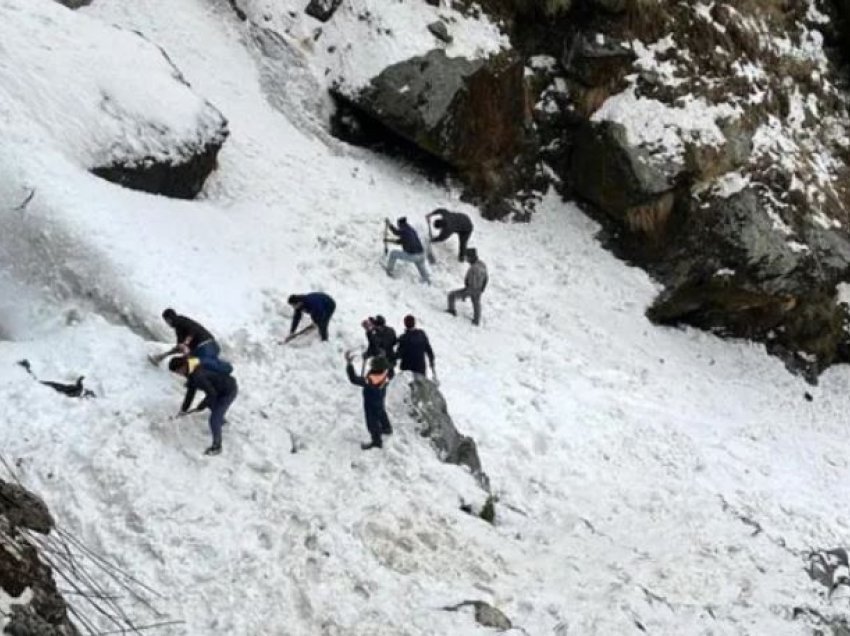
(146, 130)
(430, 410)
(469, 113)
(735, 268)
(622, 179)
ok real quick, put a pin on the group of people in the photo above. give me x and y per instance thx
(448, 223)
(197, 354)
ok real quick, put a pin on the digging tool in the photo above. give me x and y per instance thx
(293, 336)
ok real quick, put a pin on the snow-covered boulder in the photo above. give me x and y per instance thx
(457, 94)
(469, 113)
(105, 98)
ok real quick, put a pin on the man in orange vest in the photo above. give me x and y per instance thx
(373, 383)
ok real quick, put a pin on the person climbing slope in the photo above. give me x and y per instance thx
(412, 349)
(192, 338)
(411, 248)
(474, 284)
(373, 384)
(219, 389)
(319, 306)
(449, 223)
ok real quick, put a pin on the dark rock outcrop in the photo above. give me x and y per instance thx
(596, 63)
(182, 179)
(620, 179)
(75, 4)
(831, 568)
(429, 409)
(440, 31)
(469, 113)
(22, 509)
(729, 270)
(322, 10)
(39, 610)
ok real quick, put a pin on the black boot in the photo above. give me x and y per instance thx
(371, 445)
(215, 449)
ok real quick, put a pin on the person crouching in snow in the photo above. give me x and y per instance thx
(374, 383)
(219, 390)
(318, 305)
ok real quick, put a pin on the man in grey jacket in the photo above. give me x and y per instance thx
(474, 285)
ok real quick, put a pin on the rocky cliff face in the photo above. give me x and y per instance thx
(711, 141)
(30, 604)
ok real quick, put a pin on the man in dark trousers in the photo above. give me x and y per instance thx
(192, 338)
(474, 285)
(412, 348)
(219, 390)
(449, 223)
(374, 383)
(411, 248)
(381, 338)
(319, 306)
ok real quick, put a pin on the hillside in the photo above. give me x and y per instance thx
(650, 479)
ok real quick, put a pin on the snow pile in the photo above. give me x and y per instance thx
(64, 84)
(365, 36)
(631, 463)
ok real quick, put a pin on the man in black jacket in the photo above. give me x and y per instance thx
(412, 349)
(374, 383)
(381, 338)
(449, 223)
(219, 390)
(192, 338)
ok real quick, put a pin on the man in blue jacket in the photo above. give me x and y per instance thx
(411, 248)
(320, 307)
(412, 349)
(219, 390)
(373, 383)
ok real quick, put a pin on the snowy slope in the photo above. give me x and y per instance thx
(626, 456)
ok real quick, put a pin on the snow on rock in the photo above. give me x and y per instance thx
(458, 95)
(665, 130)
(366, 36)
(64, 87)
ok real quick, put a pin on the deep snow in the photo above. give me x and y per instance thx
(626, 456)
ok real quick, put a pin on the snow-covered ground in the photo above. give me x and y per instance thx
(632, 462)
